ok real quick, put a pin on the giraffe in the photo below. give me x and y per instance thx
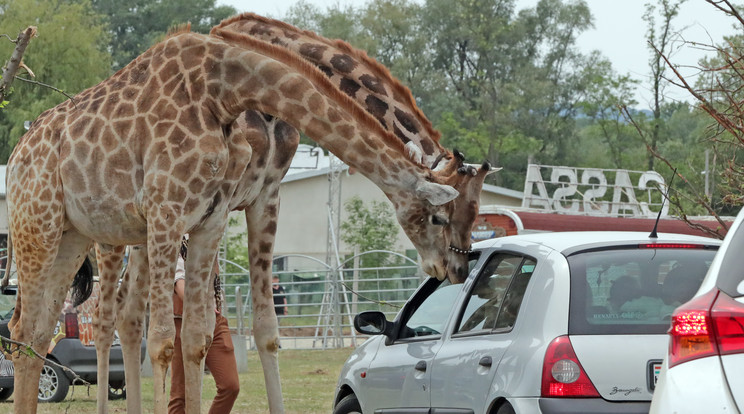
(142, 158)
(407, 122)
(372, 85)
(274, 143)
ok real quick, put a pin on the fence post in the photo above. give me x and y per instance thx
(239, 342)
(239, 311)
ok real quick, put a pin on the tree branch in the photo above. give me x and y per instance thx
(11, 347)
(10, 69)
(47, 86)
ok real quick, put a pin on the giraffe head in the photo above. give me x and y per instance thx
(424, 217)
(462, 211)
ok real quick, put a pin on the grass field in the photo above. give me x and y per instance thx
(308, 382)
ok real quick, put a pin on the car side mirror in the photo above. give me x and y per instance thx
(373, 323)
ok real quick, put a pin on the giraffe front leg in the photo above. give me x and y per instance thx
(265, 324)
(131, 304)
(198, 322)
(110, 260)
(161, 333)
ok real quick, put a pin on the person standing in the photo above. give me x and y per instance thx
(220, 357)
(280, 296)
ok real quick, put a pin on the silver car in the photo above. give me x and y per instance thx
(569, 322)
(704, 369)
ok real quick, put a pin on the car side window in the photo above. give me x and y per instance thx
(429, 317)
(497, 294)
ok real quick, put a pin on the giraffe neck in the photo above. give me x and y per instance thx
(356, 74)
(251, 74)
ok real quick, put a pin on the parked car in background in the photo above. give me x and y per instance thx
(703, 371)
(570, 322)
(72, 346)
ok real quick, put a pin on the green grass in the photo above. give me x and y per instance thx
(308, 382)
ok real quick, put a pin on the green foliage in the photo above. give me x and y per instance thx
(371, 228)
(236, 246)
(68, 53)
(135, 25)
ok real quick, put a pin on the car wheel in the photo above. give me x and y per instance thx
(53, 384)
(5, 393)
(348, 405)
(117, 391)
(505, 408)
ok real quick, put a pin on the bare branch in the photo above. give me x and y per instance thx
(10, 69)
(48, 86)
(11, 347)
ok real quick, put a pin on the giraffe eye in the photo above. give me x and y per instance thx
(438, 220)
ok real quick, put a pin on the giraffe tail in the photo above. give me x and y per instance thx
(82, 284)
(8, 264)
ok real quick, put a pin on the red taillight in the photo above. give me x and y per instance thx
(728, 324)
(711, 324)
(562, 374)
(71, 326)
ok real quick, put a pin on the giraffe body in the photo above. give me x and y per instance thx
(144, 157)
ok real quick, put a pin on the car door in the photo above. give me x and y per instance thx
(399, 375)
(464, 368)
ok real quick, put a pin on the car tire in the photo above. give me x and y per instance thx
(348, 405)
(505, 408)
(53, 384)
(117, 391)
(5, 393)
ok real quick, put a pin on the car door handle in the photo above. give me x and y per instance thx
(486, 361)
(421, 366)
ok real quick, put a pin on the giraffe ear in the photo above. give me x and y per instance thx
(436, 194)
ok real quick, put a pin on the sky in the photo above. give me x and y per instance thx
(619, 33)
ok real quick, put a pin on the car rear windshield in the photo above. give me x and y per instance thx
(632, 290)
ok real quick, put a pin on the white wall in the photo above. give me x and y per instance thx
(303, 215)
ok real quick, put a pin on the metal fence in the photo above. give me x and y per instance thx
(323, 299)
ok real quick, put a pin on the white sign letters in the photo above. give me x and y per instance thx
(588, 191)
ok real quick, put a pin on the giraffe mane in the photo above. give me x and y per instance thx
(318, 78)
(178, 29)
(378, 68)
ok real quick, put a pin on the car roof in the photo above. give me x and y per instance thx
(578, 240)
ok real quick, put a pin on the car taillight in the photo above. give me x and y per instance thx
(562, 374)
(71, 326)
(728, 319)
(711, 324)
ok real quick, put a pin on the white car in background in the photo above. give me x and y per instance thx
(569, 322)
(704, 369)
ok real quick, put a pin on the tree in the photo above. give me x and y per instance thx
(366, 229)
(660, 42)
(69, 53)
(605, 138)
(135, 25)
(719, 94)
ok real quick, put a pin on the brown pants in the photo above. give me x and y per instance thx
(221, 363)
